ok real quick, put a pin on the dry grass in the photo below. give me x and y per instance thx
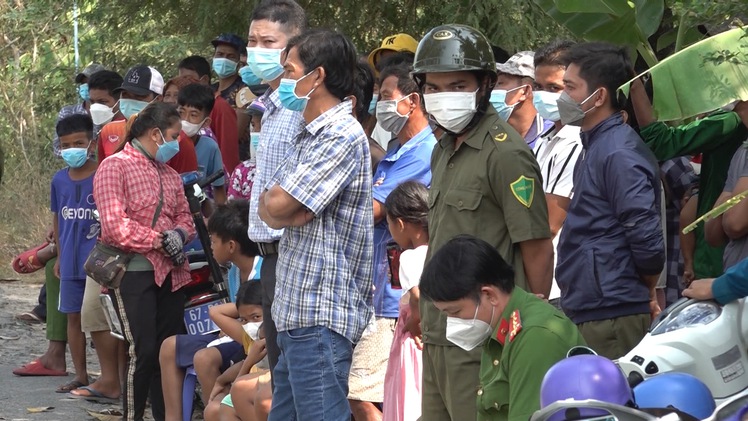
(24, 211)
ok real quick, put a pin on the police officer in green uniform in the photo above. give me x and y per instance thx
(522, 335)
(486, 183)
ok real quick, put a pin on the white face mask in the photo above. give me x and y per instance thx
(191, 129)
(389, 118)
(468, 334)
(101, 114)
(252, 329)
(452, 110)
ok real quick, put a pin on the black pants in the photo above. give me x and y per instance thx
(267, 277)
(152, 314)
(41, 309)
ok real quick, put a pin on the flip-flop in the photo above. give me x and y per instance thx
(70, 386)
(28, 261)
(36, 368)
(92, 396)
(29, 317)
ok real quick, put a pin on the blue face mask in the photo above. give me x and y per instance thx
(75, 157)
(373, 104)
(167, 150)
(287, 94)
(130, 107)
(265, 62)
(83, 92)
(498, 100)
(545, 103)
(224, 67)
(248, 77)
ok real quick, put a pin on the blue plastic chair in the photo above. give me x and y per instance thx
(188, 392)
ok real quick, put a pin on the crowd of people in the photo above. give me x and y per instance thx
(420, 232)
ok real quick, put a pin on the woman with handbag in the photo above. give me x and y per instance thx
(145, 221)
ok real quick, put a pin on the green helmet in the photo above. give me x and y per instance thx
(453, 48)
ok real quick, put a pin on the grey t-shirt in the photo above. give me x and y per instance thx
(736, 250)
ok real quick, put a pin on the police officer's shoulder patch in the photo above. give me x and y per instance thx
(516, 325)
(523, 190)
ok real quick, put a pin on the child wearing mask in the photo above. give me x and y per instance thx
(230, 244)
(195, 104)
(75, 229)
(407, 217)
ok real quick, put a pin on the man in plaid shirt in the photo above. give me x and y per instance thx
(322, 197)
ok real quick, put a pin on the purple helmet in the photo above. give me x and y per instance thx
(585, 377)
(681, 391)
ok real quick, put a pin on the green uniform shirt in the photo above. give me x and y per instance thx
(717, 136)
(531, 336)
(490, 188)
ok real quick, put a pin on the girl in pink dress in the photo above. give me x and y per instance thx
(407, 217)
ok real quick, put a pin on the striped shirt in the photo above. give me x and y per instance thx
(557, 154)
(127, 192)
(324, 271)
(280, 126)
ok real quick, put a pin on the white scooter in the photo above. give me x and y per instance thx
(700, 338)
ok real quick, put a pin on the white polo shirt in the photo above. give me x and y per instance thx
(557, 154)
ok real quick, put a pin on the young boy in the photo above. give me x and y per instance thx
(75, 230)
(195, 105)
(230, 244)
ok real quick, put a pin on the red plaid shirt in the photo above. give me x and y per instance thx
(126, 191)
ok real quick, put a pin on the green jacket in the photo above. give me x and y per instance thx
(531, 336)
(717, 137)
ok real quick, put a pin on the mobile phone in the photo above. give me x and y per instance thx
(115, 327)
(393, 258)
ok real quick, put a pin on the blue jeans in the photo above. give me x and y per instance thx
(311, 378)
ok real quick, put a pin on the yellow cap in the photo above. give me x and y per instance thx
(397, 42)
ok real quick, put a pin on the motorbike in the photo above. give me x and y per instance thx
(700, 338)
(209, 285)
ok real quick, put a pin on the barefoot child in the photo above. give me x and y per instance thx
(407, 216)
(76, 230)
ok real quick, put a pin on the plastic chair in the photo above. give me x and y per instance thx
(188, 393)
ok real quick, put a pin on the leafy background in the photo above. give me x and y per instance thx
(37, 56)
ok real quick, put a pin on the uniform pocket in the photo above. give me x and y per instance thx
(463, 200)
(433, 195)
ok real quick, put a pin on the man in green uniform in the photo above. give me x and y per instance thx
(522, 336)
(486, 183)
(717, 137)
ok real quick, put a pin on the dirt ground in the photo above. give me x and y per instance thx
(22, 342)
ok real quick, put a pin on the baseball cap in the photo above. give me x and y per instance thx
(142, 80)
(230, 39)
(520, 64)
(88, 71)
(397, 42)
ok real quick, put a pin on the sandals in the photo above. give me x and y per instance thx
(36, 368)
(90, 394)
(28, 261)
(70, 386)
(29, 317)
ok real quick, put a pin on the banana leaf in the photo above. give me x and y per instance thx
(700, 78)
(616, 21)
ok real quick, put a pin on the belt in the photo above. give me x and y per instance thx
(267, 249)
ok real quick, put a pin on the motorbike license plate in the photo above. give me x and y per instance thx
(197, 321)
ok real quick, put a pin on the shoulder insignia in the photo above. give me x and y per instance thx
(500, 137)
(523, 190)
(516, 325)
(502, 331)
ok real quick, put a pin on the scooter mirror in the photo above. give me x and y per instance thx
(580, 350)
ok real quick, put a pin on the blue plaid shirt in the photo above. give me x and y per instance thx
(280, 126)
(324, 268)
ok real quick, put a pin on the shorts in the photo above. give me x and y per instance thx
(227, 401)
(71, 295)
(92, 313)
(369, 364)
(188, 345)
